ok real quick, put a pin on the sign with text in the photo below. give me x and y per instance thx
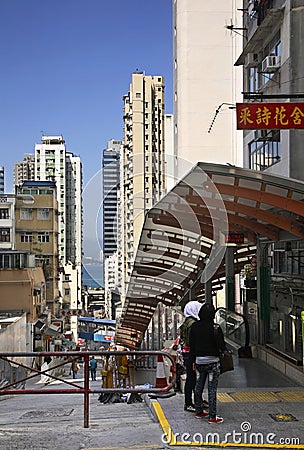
(255, 116)
(234, 238)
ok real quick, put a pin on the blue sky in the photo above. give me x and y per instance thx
(65, 65)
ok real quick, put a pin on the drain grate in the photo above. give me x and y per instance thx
(283, 417)
(46, 413)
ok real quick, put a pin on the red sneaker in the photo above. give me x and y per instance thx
(202, 414)
(216, 420)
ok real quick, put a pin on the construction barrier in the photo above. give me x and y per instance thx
(117, 375)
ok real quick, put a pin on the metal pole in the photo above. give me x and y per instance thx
(158, 327)
(86, 392)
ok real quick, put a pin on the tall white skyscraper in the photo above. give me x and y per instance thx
(54, 163)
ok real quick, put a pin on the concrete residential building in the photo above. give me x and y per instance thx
(273, 65)
(54, 163)
(143, 160)
(24, 170)
(22, 284)
(37, 232)
(170, 159)
(206, 83)
(7, 221)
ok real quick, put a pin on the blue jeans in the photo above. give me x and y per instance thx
(211, 370)
(190, 380)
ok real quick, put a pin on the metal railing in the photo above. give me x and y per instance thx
(114, 379)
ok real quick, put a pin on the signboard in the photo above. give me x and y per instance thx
(271, 116)
(71, 312)
(234, 238)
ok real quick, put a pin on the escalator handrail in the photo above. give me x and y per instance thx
(247, 331)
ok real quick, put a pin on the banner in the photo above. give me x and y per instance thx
(255, 116)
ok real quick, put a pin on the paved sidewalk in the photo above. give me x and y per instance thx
(261, 409)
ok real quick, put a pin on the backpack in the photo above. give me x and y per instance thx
(185, 330)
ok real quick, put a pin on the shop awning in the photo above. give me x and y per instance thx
(184, 236)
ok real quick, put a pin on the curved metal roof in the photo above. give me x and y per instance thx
(182, 240)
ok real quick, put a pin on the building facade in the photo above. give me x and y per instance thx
(206, 83)
(1, 180)
(274, 72)
(54, 163)
(23, 287)
(143, 159)
(7, 221)
(36, 231)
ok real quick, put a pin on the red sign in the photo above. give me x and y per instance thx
(234, 238)
(271, 116)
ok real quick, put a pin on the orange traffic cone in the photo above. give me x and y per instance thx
(161, 380)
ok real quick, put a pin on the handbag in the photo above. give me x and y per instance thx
(226, 361)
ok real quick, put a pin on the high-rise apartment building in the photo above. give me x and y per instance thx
(272, 62)
(110, 184)
(54, 163)
(206, 83)
(1, 180)
(143, 159)
(24, 170)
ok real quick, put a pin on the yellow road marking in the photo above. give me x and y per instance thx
(171, 438)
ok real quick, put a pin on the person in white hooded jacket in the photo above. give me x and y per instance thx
(191, 311)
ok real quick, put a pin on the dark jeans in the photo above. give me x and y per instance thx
(212, 371)
(190, 380)
(93, 374)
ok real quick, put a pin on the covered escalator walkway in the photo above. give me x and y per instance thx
(197, 240)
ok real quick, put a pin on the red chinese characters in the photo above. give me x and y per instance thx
(254, 116)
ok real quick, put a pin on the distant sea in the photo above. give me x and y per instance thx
(92, 275)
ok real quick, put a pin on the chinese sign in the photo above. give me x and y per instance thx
(254, 116)
(234, 238)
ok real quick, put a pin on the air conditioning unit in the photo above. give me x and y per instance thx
(271, 64)
(251, 60)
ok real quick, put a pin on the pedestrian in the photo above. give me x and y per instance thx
(206, 344)
(191, 316)
(74, 368)
(93, 367)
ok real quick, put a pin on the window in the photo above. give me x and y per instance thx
(43, 214)
(26, 214)
(26, 236)
(4, 235)
(253, 79)
(43, 236)
(4, 213)
(265, 150)
(67, 292)
(138, 95)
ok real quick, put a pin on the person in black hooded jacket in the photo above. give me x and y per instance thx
(206, 344)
